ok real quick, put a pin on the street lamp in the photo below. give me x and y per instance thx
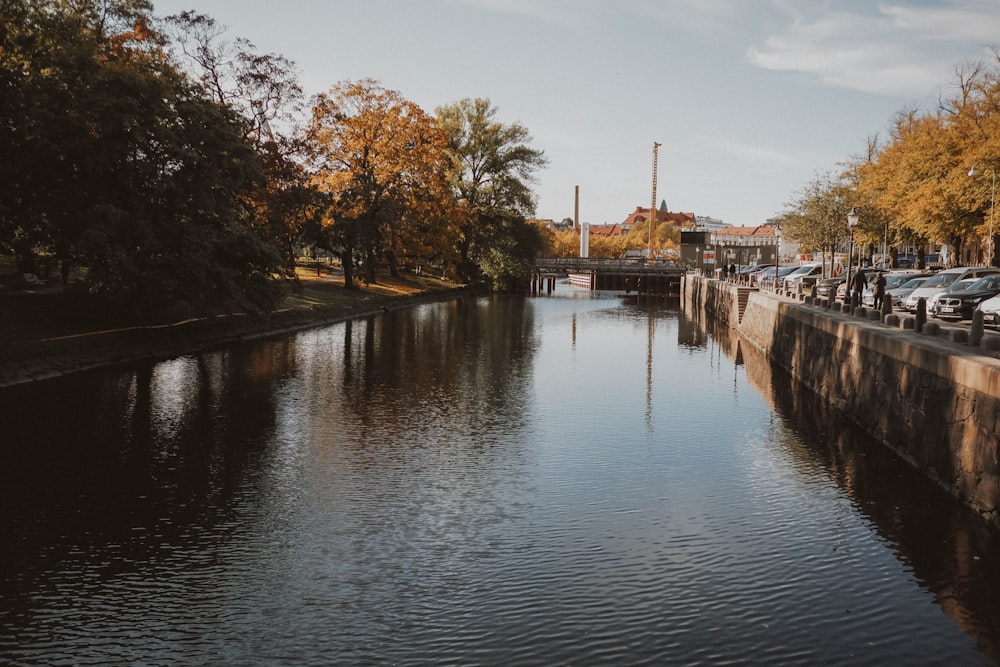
(777, 254)
(993, 202)
(852, 222)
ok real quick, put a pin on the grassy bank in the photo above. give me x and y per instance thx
(47, 331)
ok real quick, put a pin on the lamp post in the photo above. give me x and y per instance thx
(852, 222)
(777, 254)
(993, 203)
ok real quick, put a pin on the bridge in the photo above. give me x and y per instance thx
(631, 275)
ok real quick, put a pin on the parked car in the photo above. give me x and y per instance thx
(893, 279)
(771, 277)
(957, 286)
(944, 278)
(804, 276)
(959, 305)
(825, 287)
(752, 268)
(991, 310)
(748, 274)
(899, 294)
(868, 273)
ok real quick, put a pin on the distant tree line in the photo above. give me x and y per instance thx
(162, 163)
(929, 181)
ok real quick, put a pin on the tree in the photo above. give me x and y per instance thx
(122, 165)
(492, 170)
(381, 163)
(919, 181)
(817, 217)
(264, 90)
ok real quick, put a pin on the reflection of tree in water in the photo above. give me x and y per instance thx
(951, 552)
(113, 471)
(460, 365)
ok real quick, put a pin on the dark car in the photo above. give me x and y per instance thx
(827, 287)
(869, 275)
(959, 305)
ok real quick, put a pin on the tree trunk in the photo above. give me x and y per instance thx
(390, 257)
(370, 276)
(347, 261)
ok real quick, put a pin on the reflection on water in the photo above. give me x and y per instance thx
(949, 550)
(571, 479)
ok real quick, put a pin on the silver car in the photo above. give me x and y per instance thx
(899, 294)
(893, 280)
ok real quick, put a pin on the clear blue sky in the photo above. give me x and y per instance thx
(750, 99)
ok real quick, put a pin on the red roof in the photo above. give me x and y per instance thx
(641, 214)
(606, 230)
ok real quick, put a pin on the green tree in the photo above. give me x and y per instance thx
(817, 216)
(264, 90)
(492, 171)
(123, 166)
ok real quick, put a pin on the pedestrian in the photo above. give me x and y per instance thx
(857, 285)
(879, 290)
(732, 271)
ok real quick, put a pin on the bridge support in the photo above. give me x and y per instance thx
(609, 274)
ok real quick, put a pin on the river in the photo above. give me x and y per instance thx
(571, 479)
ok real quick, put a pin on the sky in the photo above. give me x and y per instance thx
(749, 99)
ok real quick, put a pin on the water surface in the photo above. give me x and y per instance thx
(575, 479)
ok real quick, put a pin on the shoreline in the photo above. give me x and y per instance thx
(50, 358)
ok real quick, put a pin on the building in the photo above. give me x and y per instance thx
(704, 223)
(607, 231)
(640, 214)
(746, 245)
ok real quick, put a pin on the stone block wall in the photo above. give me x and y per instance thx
(933, 401)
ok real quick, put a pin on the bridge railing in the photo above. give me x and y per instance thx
(603, 264)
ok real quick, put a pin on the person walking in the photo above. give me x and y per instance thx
(879, 290)
(857, 286)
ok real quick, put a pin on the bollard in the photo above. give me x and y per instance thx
(976, 330)
(886, 307)
(921, 318)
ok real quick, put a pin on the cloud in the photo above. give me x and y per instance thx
(900, 50)
(752, 154)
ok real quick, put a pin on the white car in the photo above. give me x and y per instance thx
(804, 275)
(991, 310)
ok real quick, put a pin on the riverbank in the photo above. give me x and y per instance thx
(48, 332)
(929, 396)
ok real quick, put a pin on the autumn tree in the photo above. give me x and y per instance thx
(918, 182)
(381, 163)
(562, 243)
(492, 170)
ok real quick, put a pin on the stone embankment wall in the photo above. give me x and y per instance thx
(928, 396)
